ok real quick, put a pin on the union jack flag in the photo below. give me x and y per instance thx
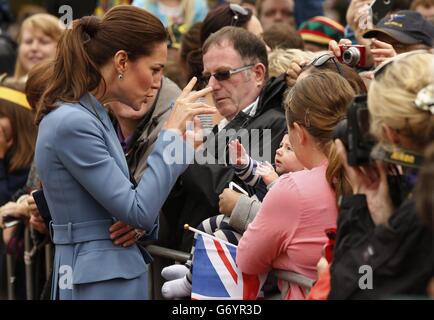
(216, 275)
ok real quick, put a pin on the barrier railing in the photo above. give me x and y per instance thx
(154, 250)
(182, 257)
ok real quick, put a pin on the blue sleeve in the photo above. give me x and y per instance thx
(10, 182)
(87, 159)
(306, 9)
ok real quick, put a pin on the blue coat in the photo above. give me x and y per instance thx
(87, 187)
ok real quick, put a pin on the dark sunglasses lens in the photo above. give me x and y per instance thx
(205, 78)
(222, 75)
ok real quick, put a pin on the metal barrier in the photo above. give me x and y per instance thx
(182, 257)
(30, 248)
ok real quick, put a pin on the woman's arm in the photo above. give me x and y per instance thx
(87, 159)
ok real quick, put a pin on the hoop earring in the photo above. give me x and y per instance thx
(120, 76)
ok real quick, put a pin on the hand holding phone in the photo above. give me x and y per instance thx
(380, 8)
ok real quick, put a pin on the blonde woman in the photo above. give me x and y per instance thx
(170, 12)
(279, 60)
(37, 42)
(379, 225)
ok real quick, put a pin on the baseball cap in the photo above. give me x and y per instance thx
(405, 26)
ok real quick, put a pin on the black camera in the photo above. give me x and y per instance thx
(354, 132)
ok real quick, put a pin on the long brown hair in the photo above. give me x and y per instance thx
(318, 102)
(20, 154)
(90, 44)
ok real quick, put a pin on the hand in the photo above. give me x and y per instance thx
(33, 209)
(294, 70)
(237, 154)
(381, 51)
(186, 108)
(334, 46)
(5, 143)
(194, 136)
(123, 234)
(322, 265)
(372, 182)
(367, 77)
(37, 222)
(357, 10)
(14, 209)
(267, 172)
(228, 200)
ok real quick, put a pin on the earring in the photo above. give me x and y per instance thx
(120, 76)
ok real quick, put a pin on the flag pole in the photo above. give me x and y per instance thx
(187, 227)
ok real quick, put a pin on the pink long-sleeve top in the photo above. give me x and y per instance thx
(288, 231)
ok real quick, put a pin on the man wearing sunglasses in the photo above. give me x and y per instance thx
(236, 67)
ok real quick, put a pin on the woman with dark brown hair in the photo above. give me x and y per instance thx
(81, 163)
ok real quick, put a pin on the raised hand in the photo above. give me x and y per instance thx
(186, 108)
(237, 154)
(267, 172)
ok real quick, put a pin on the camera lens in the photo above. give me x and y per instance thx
(351, 56)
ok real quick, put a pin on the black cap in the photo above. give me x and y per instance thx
(407, 27)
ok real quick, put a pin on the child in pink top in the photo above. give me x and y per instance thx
(288, 232)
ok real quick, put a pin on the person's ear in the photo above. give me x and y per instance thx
(391, 135)
(121, 60)
(299, 133)
(259, 74)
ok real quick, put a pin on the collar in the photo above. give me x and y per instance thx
(250, 110)
(89, 102)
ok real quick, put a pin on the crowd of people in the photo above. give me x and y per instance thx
(140, 117)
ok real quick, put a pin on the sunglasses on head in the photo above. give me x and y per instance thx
(224, 74)
(237, 10)
(323, 59)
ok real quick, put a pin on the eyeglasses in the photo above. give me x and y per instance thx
(224, 74)
(323, 59)
(237, 10)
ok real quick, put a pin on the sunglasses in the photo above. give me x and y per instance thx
(224, 74)
(323, 59)
(237, 10)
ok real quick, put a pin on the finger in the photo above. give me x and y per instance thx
(197, 124)
(118, 225)
(186, 91)
(269, 165)
(120, 232)
(383, 52)
(127, 237)
(202, 110)
(129, 243)
(381, 44)
(199, 94)
(334, 48)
